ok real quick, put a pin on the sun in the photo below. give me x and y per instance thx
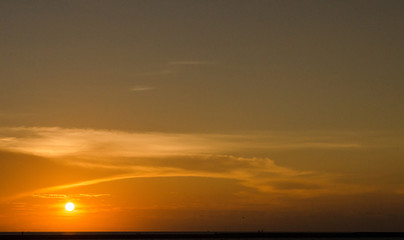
(69, 206)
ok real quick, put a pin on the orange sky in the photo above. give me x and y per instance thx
(201, 115)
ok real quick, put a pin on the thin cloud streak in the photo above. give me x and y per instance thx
(190, 63)
(64, 196)
(152, 155)
(261, 175)
(59, 142)
(140, 88)
(156, 73)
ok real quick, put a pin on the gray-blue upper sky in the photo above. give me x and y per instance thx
(202, 65)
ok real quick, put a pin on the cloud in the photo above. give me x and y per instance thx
(50, 195)
(70, 196)
(160, 72)
(192, 62)
(129, 155)
(258, 174)
(141, 88)
(59, 142)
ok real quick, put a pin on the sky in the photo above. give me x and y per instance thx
(201, 115)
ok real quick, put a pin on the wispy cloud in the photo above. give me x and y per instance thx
(152, 155)
(59, 142)
(261, 174)
(160, 72)
(64, 196)
(141, 88)
(191, 62)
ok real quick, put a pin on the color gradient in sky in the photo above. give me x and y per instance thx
(202, 115)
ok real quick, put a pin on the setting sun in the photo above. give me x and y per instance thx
(201, 116)
(69, 206)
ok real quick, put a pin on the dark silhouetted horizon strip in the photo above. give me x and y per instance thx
(194, 235)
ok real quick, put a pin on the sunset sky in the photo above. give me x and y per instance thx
(192, 115)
